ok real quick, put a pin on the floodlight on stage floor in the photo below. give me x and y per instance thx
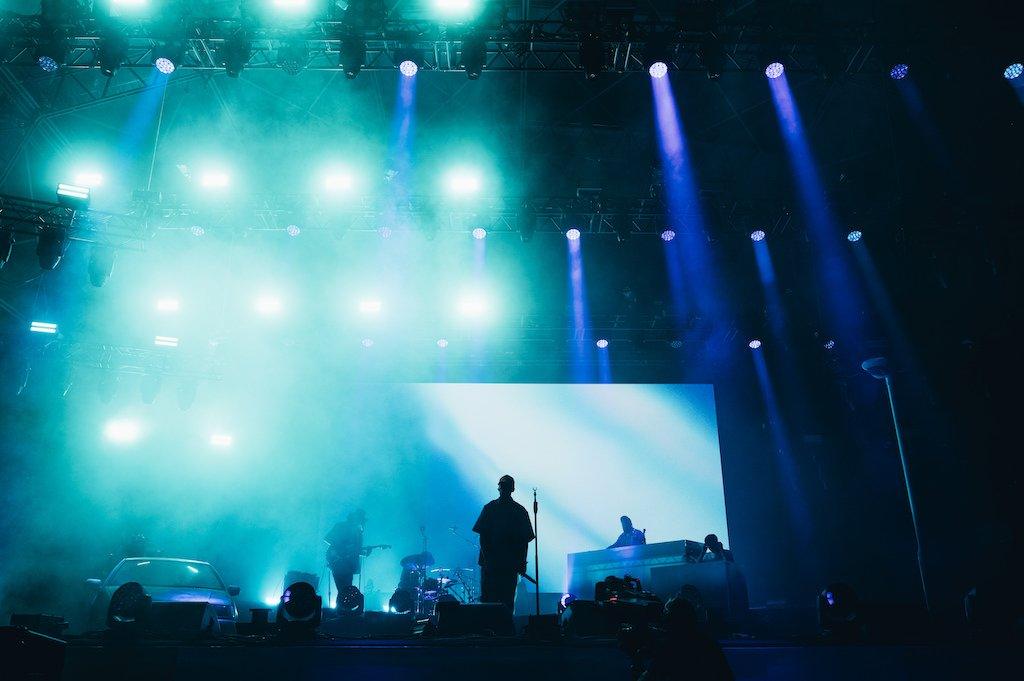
(1013, 71)
(43, 327)
(122, 431)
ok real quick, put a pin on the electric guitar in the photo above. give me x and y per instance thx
(335, 555)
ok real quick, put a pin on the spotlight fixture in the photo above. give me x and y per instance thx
(657, 55)
(121, 431)
(293, 230)
(442, 343)
(367, 342)
(572, 234)
(592, 56)
(899, 71)
(658, 69)
(73, 195)
(667, 235)
(128, 606)
(854, 236)
(754, 343)
(829, 344)
(408, 68)
(474, 54)
(1013, 71)
(43, 327)
(602, 343)
(292, 56)
(408, 60)
(351, 600)
(168, 55)
(101, 264)
(757, 235)
(165, 341)
(235, 54)
(300, 608)
(352, 55)
(197, 230)
(675, 344)
(479, 233)
(774, 70)
(52, 50)
(50, 248)
(112, 53)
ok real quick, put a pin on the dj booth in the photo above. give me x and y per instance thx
(663, 569)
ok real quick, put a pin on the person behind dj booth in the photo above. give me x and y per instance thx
(715, 550)
(630, 535)
(505, 535)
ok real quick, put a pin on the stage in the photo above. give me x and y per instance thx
(499, 658)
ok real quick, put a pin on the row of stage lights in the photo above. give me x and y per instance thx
(352, 55)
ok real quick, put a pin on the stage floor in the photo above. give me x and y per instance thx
(496, 659)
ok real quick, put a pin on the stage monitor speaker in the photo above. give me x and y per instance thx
(459, 619)
(25, 654)
(182, 621)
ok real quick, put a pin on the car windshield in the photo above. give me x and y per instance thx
(166, 573)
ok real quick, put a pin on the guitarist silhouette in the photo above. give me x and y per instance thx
(345, 546)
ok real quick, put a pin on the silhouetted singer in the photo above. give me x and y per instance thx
(505, 535)
(630, 535)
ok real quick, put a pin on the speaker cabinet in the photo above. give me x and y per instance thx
(459, 619)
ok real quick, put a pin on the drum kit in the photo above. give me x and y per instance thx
(422, 586)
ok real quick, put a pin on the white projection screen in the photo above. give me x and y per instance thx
(594, 453)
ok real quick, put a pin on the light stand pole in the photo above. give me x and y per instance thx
(878, 367)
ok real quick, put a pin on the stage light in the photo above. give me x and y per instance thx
(408, 68)
(47, 63)
(565, 602)
(271, 601)
(352, 56)
(854, 236)
(472, 305)
(602, 343)
(122, 431)
(165, 341)
(462, 181)
(164, 65)
(667, 235)
(829, 344)
(52, 50)
(899, 71)
(675, 344)
(456, 9)
(221, 440)
(293, 230)
(339, 181)
(1013, 71)
(370, 306)
(367, 342)
(838, 606)
(50, 248)
(168, 305)
(474, 54)
(757, 235)
(658, 69)
(113, 50)
(592, 57)
(300, 608)
(197, 230)
(101, 264)
(774, 70)
(384, 232)
(214, 179)
(292, 56)
(73, 196)
(442, 343)
(479, 233)
(268, 305)
(754, 344)
(235, 54)
(89, 178)
(43, 327)
(572, 234)
(291, 4)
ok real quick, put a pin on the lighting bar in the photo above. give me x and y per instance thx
(43, 327)
(72, 194)
(166, 341)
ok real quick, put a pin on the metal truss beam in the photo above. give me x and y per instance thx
(33, 217)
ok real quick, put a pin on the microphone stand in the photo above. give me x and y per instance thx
(536, 560)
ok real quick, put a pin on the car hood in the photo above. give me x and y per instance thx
(180, 594)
